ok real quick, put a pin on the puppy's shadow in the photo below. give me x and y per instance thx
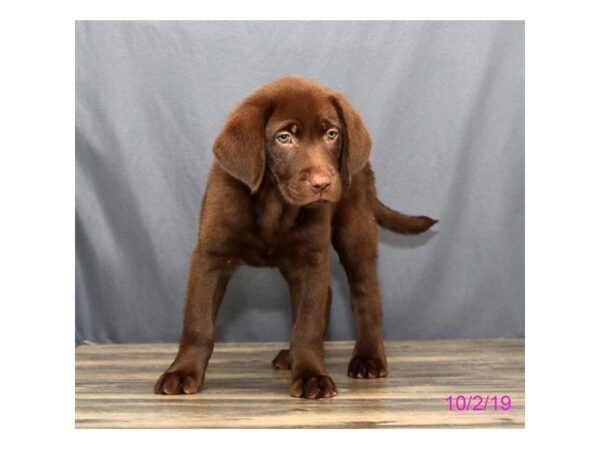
(391, 239)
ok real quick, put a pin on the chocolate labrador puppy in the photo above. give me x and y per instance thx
(291, 176)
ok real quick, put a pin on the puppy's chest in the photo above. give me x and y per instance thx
(278, 228)
(285, 233)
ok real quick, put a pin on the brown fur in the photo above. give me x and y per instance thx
(291, 176)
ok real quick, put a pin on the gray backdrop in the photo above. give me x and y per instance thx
(444, 102)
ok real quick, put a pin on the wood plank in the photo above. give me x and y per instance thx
(114, 383)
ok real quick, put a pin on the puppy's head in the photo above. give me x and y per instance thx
(301, 135)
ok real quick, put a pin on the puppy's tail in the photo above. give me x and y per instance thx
(401, 223)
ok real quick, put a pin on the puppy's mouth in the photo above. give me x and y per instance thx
(296, 197)
(317, 203)
(323, 198)
(316, 200)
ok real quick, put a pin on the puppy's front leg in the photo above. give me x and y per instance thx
(355, 240)
(206, 287)
(309, 287)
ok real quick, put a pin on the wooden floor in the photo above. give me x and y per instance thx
(114, 387)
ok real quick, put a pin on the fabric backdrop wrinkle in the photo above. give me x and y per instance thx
(443, 101)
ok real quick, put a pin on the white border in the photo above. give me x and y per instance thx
(562, 219)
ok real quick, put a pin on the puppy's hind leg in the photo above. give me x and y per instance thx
(282, 360)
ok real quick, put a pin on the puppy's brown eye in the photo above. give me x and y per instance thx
(284, 138)
(332, 134)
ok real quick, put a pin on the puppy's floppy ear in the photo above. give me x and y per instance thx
(240, 146)
(356, 144)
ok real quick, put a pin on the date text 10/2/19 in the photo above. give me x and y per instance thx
(479, 402)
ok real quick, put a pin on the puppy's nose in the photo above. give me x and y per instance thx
(320, 183)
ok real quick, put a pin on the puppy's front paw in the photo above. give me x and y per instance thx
(366, 367)
(313, 387)
(179, 381)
